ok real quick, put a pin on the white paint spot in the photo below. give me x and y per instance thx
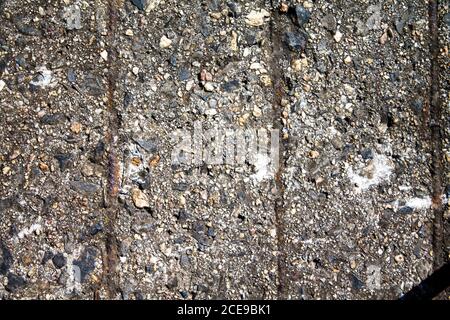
(44, 78)
(2, 85)
(419, 203)
(379, 170)
(27, 231)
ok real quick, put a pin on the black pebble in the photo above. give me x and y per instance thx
(63, 161)
(127, 99)
(405, 210)
(140, 4)
(367, 154)
(15, 283)
(357, 284)
(47, 256)
(295, 41)
(59, 260)
(71, 76)
(96, 228)
(300, 15)
(6, 258)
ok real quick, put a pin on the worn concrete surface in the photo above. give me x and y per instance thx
(92, 207)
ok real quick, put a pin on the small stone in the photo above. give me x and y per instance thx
(6, 257)
(140, 4)
(284, 7)
(165, 42)
(257, 18)
(96, 228)
(75, 127)
(211, 112)
(308, 5)
(47, 256)
(231, 85)
(104, 55)
(266, 80)
(348, 60)
(2, 84)
(184, 261)
(154, 161)
(205, 75)
(127, 99)
(235, 9)
(71, 76)
(43, 166)
(72, 15)
(446, 19)
(85, 187)
(209, 87)
(357, 284)
(301, 15)
(313, 154)
(273, 232)
(140, 199)
(257, 112)
(15, 283)
(151, 268)
(184, 74)
(63, 161)
(338, 36)
(299, 64)
(6, 170)
(87, 170)
(234, 41)
(129, 32)
(295, 41)
(14, 154)
(150, 145)
(329, 22)
(383, 38)
(405, 210)
(85, 265)
(135, 71)
(146, 5)
(172, 283)
(367, 154)
(59, 260)
(399, 258)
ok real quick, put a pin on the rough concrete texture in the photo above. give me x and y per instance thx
(92, 207)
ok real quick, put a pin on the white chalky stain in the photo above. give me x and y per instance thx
(419, 203)
(27, 231)
(44, 78)
(381, 171)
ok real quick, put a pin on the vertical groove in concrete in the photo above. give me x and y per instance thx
(278, 92)
(111, 189)
(435, 127)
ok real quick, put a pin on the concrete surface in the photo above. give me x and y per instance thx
(93, 207)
